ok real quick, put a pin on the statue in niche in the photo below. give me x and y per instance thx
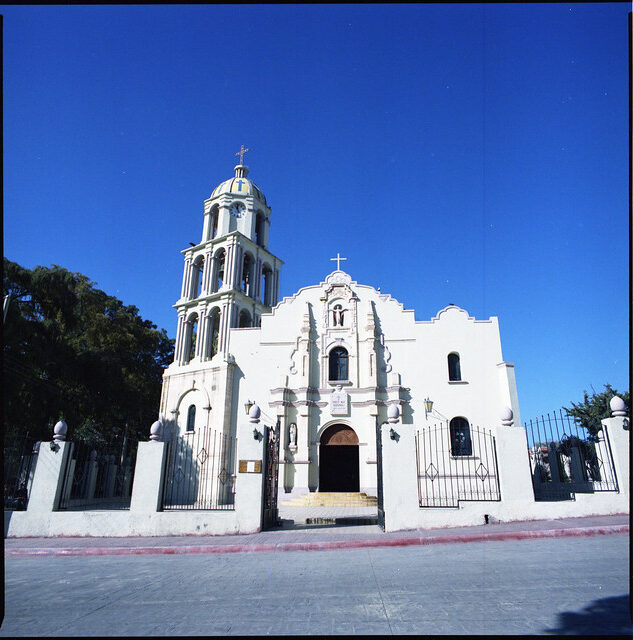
(292, 437)
(338, 313)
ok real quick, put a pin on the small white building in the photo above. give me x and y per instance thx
(326, 363)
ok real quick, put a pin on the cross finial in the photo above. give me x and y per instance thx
(241, 153)
(338, 260)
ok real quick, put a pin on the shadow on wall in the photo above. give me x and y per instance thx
(7, 520)
(608, 616)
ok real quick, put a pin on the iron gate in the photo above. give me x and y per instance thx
(457, 465)
(381, 509)
(270, 512)
(566, 459)
(20, 457)
(200, 471)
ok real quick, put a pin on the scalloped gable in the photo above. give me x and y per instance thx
(453, 309)
(335, 278)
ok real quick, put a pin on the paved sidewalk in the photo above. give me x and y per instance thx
(314, 538)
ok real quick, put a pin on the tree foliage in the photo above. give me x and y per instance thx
(594, 408)
(72, 351)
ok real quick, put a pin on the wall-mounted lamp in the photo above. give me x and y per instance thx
(247, 406)
(428, 406)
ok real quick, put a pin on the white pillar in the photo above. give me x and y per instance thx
(149, 472)
(399, 478)
(202, 328)
(180, 333)
(185, 277)
(249, 487)
(619, 435)
(206, 272)
(48, 478)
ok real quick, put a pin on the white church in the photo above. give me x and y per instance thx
(328, 362)
(334, 393)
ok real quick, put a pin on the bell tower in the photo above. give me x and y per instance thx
(230, 278)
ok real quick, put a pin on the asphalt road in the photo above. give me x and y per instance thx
(562, 586)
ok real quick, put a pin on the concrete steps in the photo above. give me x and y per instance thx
(333, 499)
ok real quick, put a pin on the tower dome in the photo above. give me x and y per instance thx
(239, 185)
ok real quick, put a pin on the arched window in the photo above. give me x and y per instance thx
(454, 370)
(461, 444)
(338, 364)
(259, 229)
(191, 417)
(266, 288)
(213, 228)
(190, 337)
(213, 332)
(219, 259)
(247, 274)
(245, 319)
(196, 279)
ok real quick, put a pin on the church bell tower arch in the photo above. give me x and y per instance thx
(230, 275)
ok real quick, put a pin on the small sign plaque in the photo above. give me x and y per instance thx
(250, 466)
(339, 402)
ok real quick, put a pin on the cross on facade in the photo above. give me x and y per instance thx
(338, 260)
(241, 153)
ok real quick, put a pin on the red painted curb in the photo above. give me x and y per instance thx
(315, 546)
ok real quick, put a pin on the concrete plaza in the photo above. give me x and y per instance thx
(568, 585)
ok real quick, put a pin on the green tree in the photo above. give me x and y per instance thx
(71, 350)
(594, 408)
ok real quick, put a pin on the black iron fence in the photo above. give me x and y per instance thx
(20, 457)
(566, 459)
(96, 477)
(271, 477)
(200, 471)
(456, 466)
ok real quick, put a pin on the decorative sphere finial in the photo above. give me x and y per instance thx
(618, 408)
(59, 431)
(254, 414)
(506, 416)
(155, 431)
(393, 413)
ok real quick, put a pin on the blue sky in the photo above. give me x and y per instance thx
(454, 153)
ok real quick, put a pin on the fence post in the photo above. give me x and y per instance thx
(147, 490)
(91, 483)
(48, 477)
(513, 463)
(399, 477)
(249, 486)
(618, 436)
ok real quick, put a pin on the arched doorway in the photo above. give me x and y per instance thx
(338, 459)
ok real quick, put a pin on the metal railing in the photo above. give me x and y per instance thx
(445, 477)
(566, 459)
(200, 471)
(96, 478)
(20, 457)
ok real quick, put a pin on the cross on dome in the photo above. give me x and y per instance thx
(241, 153)
(338, 260)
